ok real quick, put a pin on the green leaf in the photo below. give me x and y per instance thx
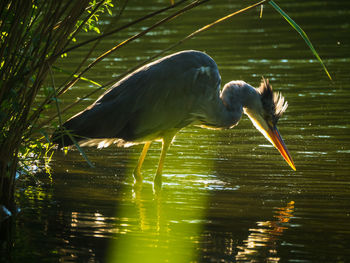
(109, 11)
(97, 30)
(301, 32)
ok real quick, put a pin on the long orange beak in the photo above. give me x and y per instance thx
(277, 141)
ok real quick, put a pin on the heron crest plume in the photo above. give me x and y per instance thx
(273, 102)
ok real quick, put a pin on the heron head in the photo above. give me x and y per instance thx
(264, 111)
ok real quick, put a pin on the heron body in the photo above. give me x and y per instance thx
(157, 100)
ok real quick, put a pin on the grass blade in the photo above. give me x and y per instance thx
(63, 128)
(301, 32)
(76, 76)
(79, 148)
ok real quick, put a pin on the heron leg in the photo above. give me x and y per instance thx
(137, 171)
(157, 182)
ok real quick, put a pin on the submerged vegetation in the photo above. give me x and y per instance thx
(34, 36)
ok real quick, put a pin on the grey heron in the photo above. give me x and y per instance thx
(162, 97)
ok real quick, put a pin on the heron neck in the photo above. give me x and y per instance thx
(226, 110)
(249, 96)
(220, 115)
(231, 115)
(237, 96)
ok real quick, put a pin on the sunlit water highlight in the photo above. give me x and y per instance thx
(227, 196)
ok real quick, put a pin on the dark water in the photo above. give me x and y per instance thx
(227, 195)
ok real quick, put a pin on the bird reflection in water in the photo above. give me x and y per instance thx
(140, 197)
(266, 235)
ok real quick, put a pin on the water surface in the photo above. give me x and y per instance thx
(228, 196)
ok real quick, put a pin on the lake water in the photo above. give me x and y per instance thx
(228, 196)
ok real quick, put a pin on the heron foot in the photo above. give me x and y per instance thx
(138, 178)
(157, 183)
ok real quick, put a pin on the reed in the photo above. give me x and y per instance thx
(302, 34)
(32, 33)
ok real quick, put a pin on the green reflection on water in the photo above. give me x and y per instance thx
(162, 227)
